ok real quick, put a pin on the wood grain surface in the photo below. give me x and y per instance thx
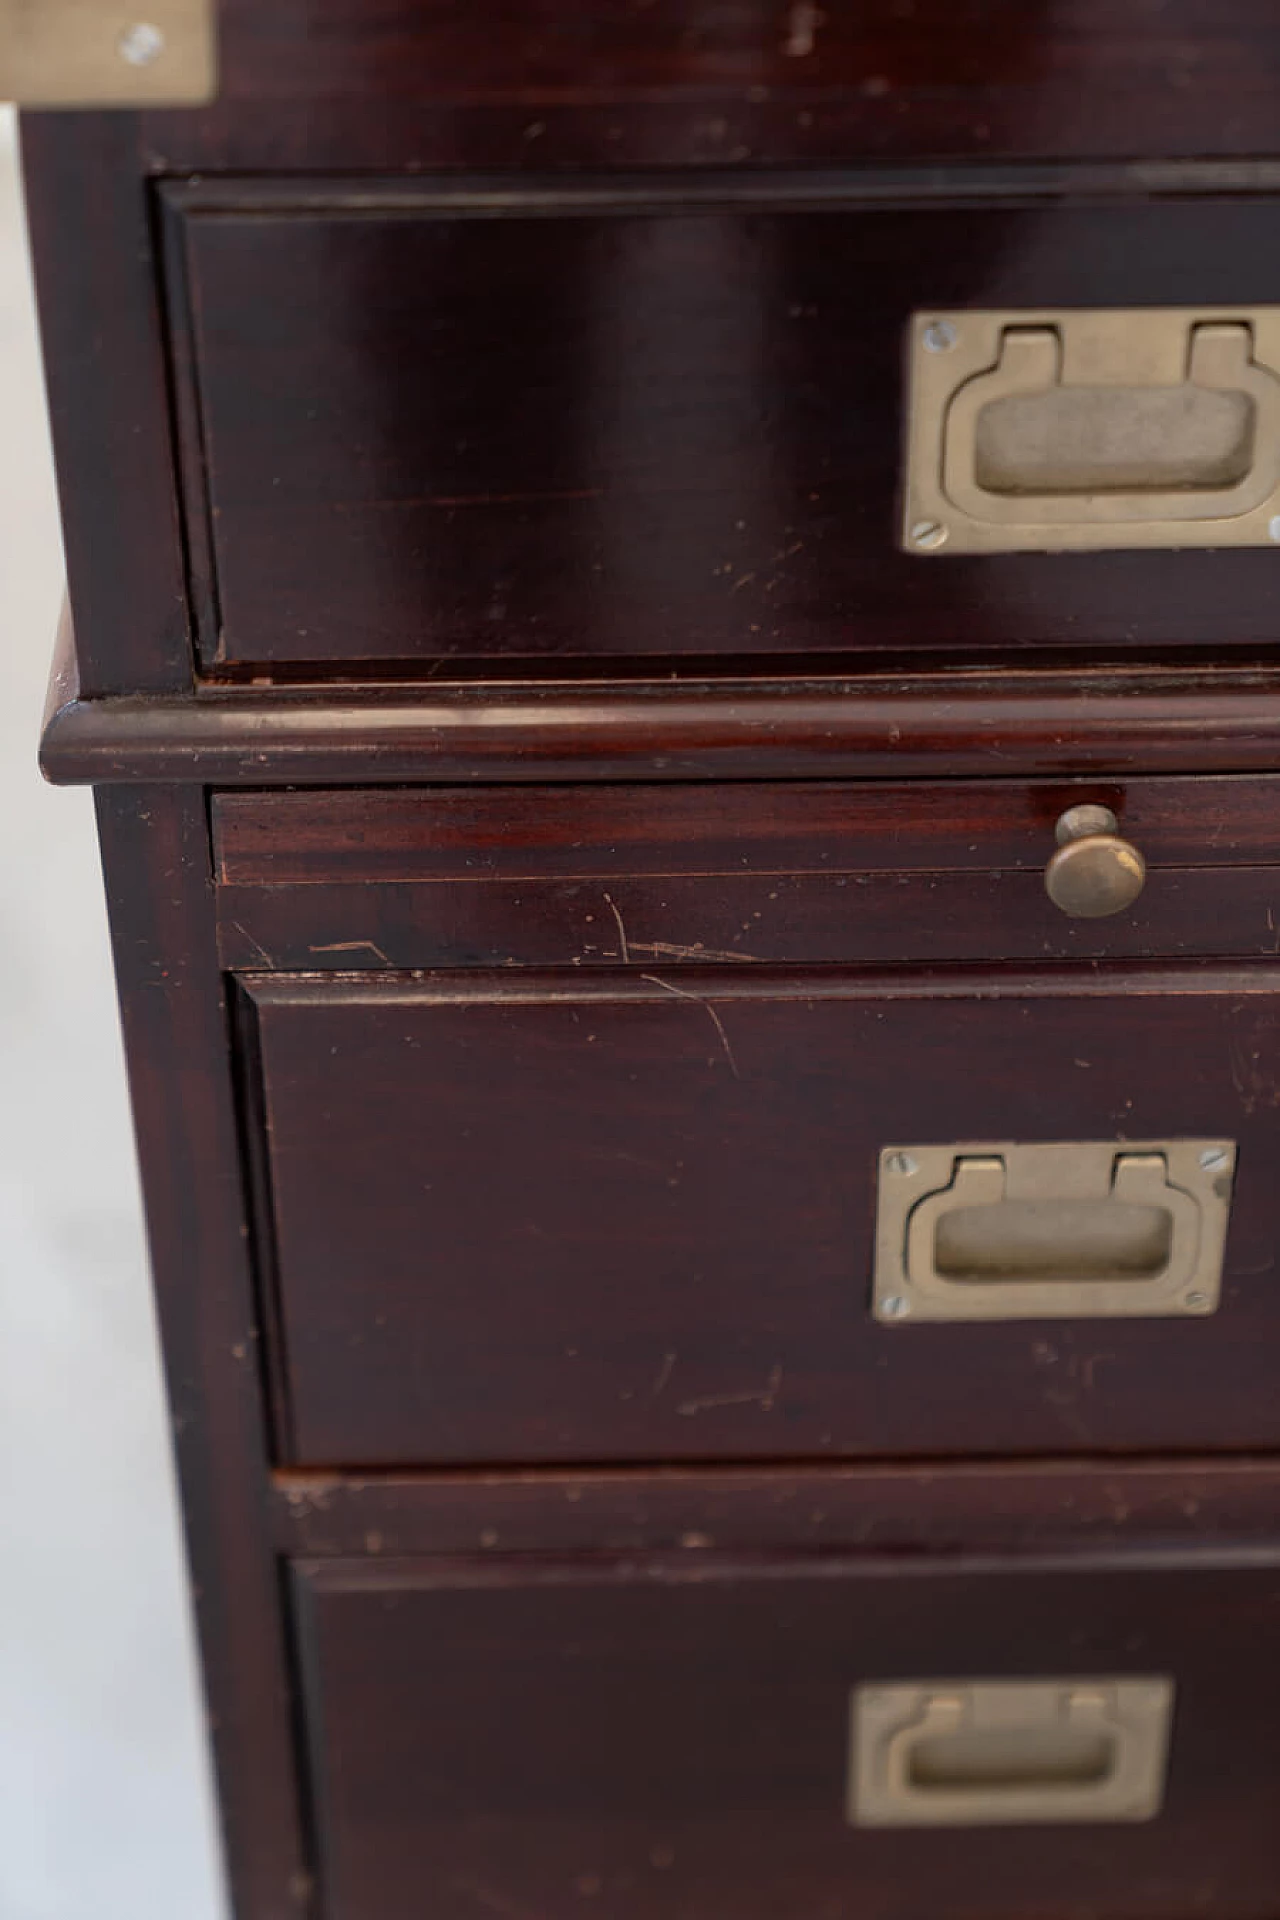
(525, 1217)
(606, 82)
(669, 1737)
(436, 428)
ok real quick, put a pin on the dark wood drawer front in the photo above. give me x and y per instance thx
(574, 424)
(770, 873)
(667, 1739)
(572, 1217)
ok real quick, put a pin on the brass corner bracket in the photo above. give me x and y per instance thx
(108, 53)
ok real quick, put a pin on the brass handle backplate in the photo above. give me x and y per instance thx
(1094, 872)
(954, 1753)
(1088, 428)
(1051, 1230)
(101, 53)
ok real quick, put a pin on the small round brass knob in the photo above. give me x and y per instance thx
(1094, 872)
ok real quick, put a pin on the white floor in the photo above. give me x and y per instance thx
(104, 1803)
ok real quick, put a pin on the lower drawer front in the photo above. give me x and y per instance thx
(538, 1217)
(706, 1738)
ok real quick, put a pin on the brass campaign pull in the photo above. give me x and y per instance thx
(1019, 430)
(992, 1753)
(1057, 1230)
(1021, 445)
(1134, 427)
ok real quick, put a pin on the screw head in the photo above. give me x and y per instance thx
(940, 336)
(894, 1307)
(140, 44)
(928, 534)
(901, 1163)
(1214, 1159)
(1198, 1302)
(1273, 527)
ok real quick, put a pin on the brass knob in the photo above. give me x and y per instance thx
(1094, 872)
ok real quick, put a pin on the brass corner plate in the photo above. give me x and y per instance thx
(1052, 1230)
(957, 1753)
(1081, 429)
(105, 53)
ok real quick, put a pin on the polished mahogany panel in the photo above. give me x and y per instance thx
(98, 283)
(688, 82)
(577, 426)
(666, 1739)
(578, 1217)
(173, 1005)
(767, 873)
(1050, 725)
(489, 833)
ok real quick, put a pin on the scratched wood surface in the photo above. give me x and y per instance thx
(667, 1739)
(867, 919)
(757, 873)
(554, 1217)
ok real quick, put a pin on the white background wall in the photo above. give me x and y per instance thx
(104, 1802)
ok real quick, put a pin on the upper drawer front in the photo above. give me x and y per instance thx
(636, 423)
(796, 873)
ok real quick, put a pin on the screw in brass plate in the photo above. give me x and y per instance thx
(940, 336)
(928, 535)
(901, 1163)
(141, 44)
(1214, 1159)
(894, 1307)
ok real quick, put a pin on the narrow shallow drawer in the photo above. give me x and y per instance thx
(777, 873)
(632, 1215)
(629, 422)
(682, 1738)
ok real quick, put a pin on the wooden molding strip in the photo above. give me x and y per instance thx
(1030, 724)
(1033, 1506)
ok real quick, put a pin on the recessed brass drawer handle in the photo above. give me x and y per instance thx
(1083, 429)
(1051, 1230)
(1094, 872)
(992, 1753)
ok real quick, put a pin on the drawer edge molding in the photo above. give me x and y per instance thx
(1088, 1505)
(1047, 723)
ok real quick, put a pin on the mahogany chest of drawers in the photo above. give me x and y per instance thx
(722, 1336)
